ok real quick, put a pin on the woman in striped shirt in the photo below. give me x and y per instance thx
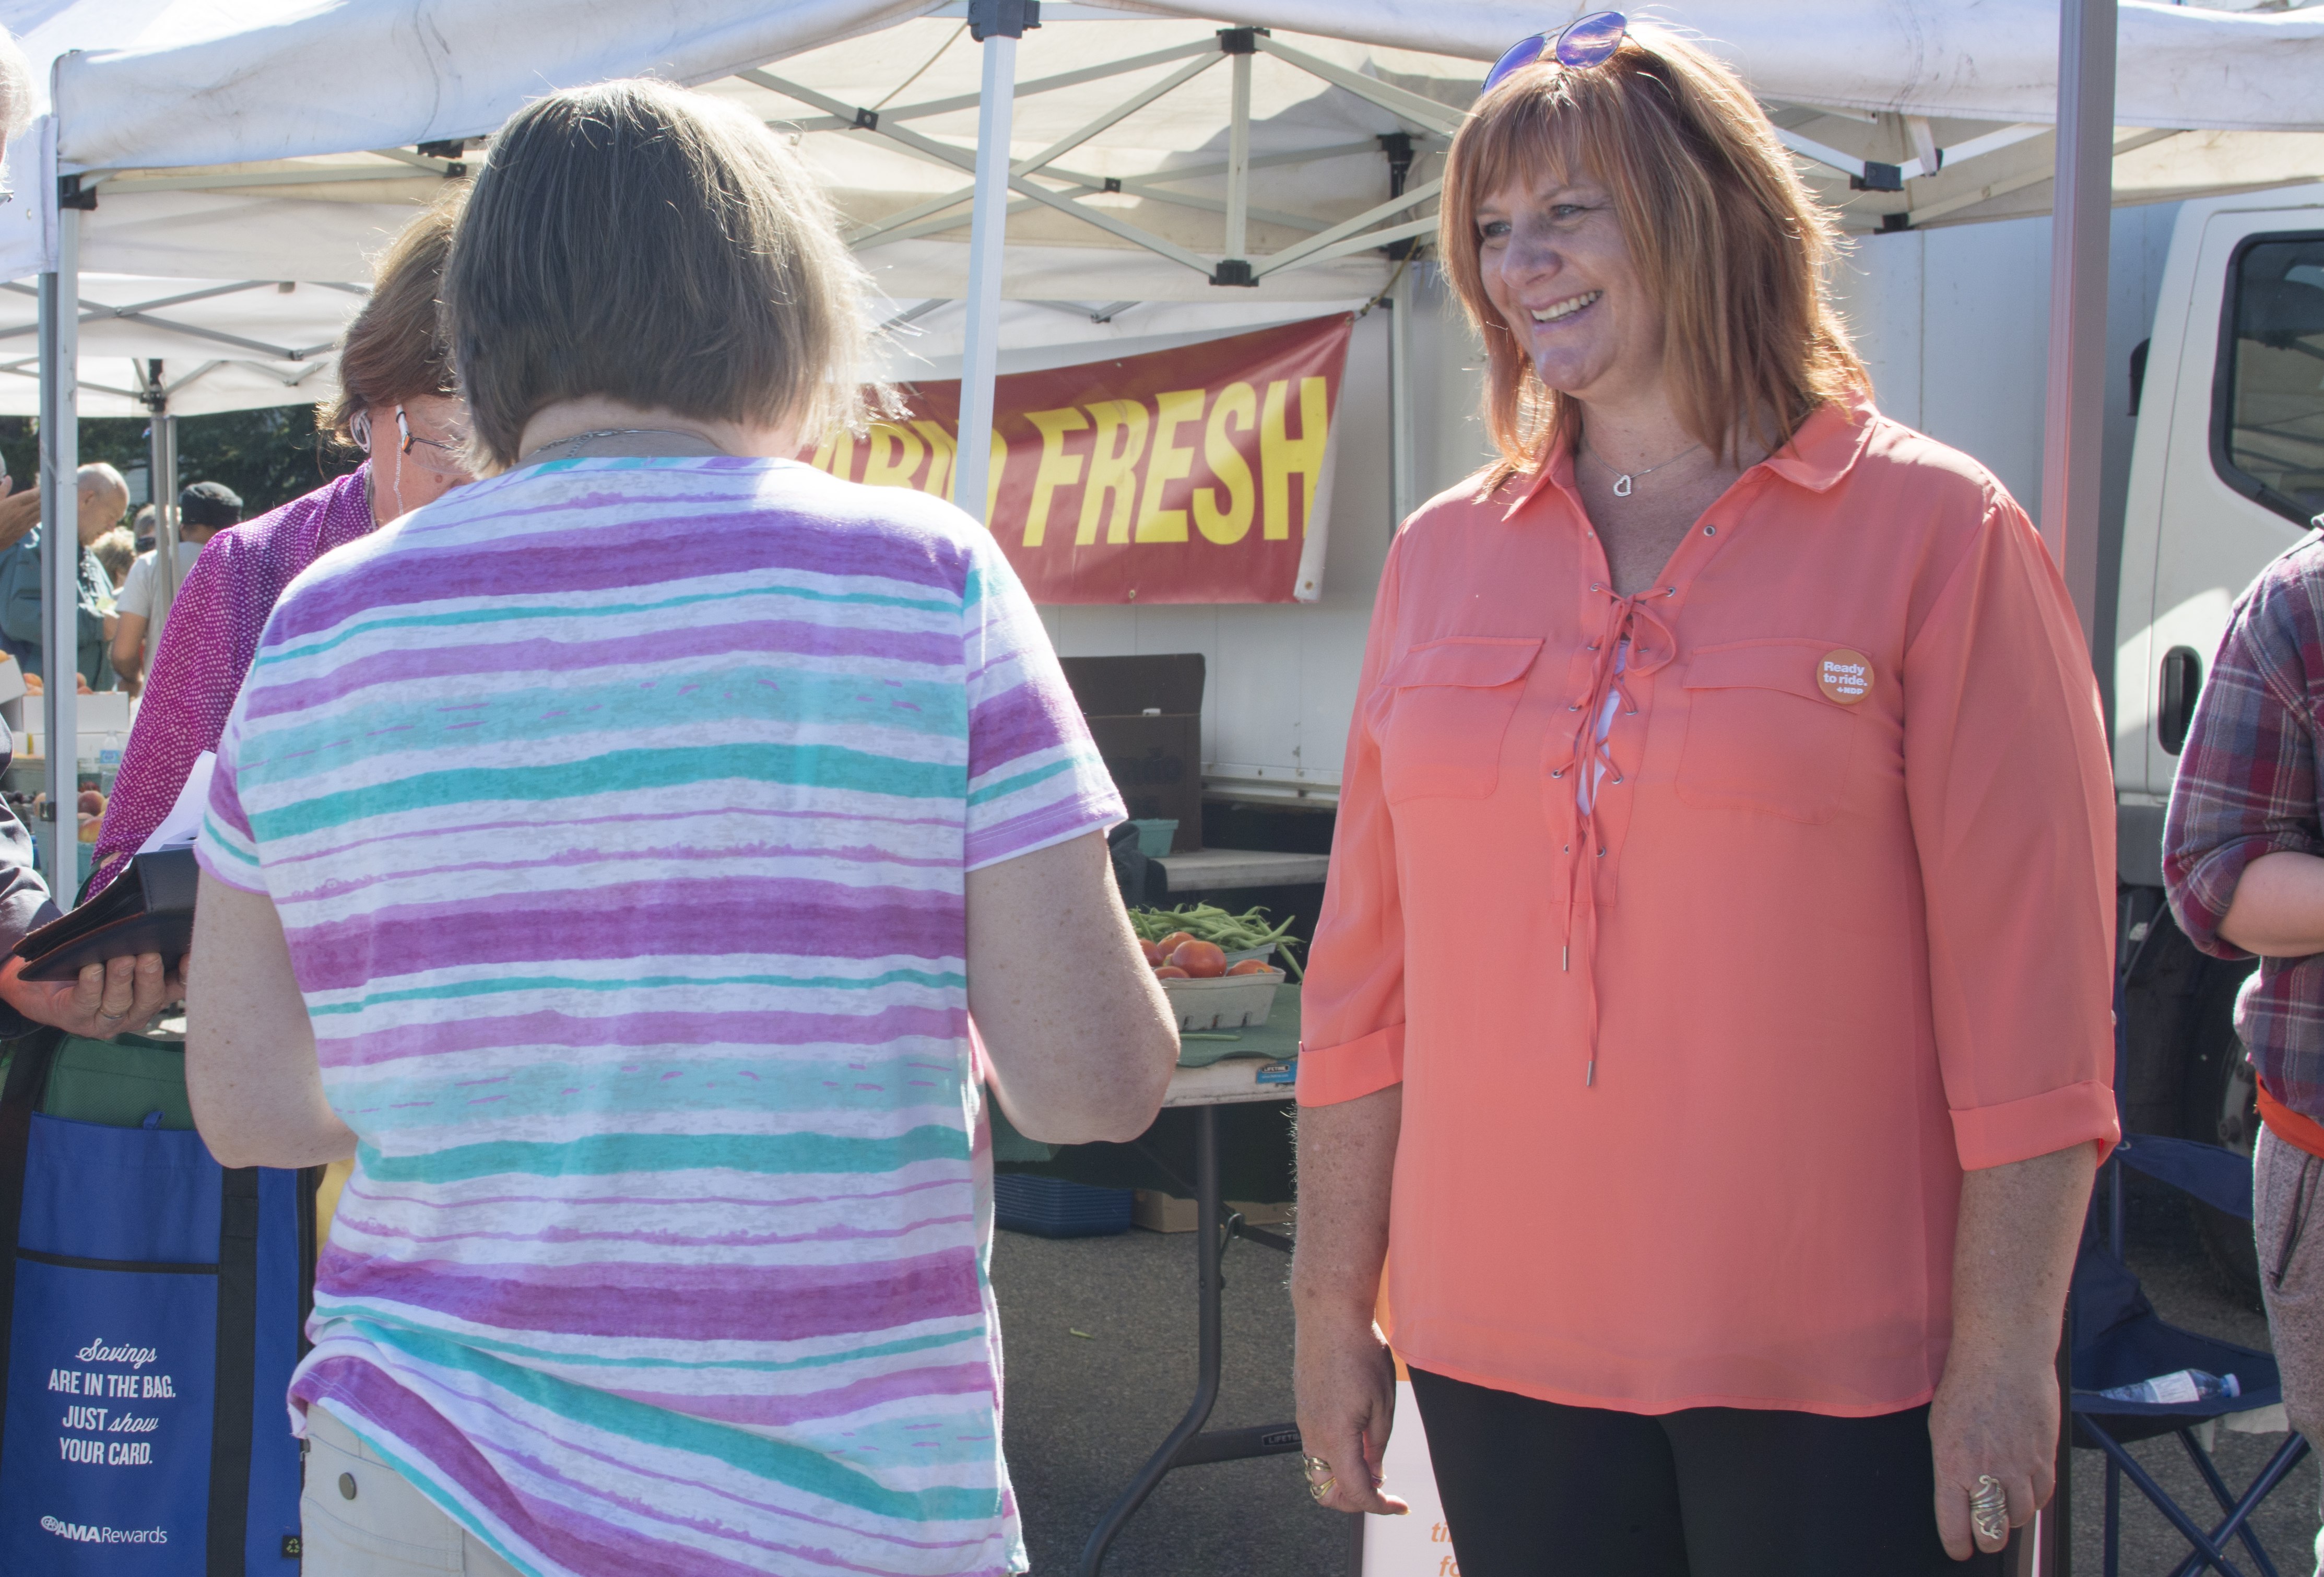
(618, 892)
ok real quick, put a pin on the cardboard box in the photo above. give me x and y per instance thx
(1167, 1213)
(1145, 716)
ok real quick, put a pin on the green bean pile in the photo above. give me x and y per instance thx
(1242, 933)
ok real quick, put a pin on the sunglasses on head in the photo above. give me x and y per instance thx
(1585, 42)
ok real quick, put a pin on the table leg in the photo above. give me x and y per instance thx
(1209, 1247)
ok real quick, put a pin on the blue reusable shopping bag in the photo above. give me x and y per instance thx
(150, 1307)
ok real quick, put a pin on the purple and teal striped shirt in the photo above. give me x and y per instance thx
(618, 812)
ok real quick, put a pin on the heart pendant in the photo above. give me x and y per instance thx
(1622, 485)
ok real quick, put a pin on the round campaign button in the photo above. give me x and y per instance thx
(1844, 675)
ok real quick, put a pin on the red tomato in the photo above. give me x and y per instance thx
(1169, 972)
(1171, 943)
(1250, 966)
(1203, 960)
(1153, 954)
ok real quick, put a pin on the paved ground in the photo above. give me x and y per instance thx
(1083, 1412)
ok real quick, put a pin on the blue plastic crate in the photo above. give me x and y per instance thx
(1051, 1207)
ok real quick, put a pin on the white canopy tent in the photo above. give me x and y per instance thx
(1153, 163)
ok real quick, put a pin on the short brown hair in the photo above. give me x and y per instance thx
(1726, 237)
(659, 247)
(394, 350)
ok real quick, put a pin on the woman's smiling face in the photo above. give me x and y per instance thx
(1557, 269)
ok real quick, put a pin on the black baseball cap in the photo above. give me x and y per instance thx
(210, 503)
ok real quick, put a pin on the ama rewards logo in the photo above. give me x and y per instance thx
(88, 1534)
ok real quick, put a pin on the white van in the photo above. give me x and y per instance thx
(2226, 473)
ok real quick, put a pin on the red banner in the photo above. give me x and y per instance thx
(1199, 475)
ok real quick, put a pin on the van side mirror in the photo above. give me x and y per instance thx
(2183, 682)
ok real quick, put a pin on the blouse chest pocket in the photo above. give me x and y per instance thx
(1449, 704)
(1762, 734)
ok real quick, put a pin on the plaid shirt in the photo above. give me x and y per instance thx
(2249, 781)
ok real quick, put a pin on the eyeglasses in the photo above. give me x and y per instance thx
(1585, 42)
(442, 456)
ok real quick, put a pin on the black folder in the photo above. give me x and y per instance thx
(148, 908)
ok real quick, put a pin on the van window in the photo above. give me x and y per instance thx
(2267, 431)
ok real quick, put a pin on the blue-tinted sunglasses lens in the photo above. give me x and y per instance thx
(1516, 57)
(1592, 38)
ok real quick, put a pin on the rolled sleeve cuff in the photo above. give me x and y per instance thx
(1329, 1075)
(2037, 1125)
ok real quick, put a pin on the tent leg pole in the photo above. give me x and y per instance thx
(1403, 465)
(1238, 233)
(165, 523)
(2083, 211)
(61, 553)
(988, 235)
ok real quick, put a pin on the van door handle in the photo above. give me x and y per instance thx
(2183, 682)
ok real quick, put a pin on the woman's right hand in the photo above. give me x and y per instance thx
(1345, 1383)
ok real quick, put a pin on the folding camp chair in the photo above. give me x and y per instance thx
(2118, 1340)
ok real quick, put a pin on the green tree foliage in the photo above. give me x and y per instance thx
(268, 456)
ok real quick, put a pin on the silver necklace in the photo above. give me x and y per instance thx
(1623, 479)
(704, 446)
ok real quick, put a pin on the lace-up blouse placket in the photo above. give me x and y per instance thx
(1712, 931)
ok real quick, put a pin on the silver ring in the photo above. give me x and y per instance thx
(1989, 1510)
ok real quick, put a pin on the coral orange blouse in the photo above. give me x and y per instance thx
(1692, 1064)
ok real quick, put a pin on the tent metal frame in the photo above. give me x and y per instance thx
(142, 314)
(59, 339)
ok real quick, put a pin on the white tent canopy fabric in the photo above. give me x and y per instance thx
(277, 138)
(275, 75)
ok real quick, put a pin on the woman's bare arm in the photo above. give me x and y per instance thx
(129, 647)
(2278, 908)
(1996, 1410)
(1343, 1375)
(1081, 1038)
(251, 1075)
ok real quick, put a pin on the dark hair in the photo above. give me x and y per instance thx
(394, 349)
(210, 503)
(644, 243)
(1728, 241)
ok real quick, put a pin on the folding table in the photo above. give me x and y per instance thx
(1260, 1070)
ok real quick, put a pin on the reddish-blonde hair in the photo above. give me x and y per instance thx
(1726, 238)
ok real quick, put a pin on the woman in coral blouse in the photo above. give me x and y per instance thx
(1707, 1024)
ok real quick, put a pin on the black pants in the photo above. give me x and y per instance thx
(1534, 1488)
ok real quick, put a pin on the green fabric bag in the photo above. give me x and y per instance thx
(117, 1083)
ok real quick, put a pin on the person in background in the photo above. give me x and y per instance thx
(2242, 861)
(643, 883)
(103, 498)
(204, 510)
(125, 992)
(1707, 1025)
(144, 523)
(397, 404)
(116, 550)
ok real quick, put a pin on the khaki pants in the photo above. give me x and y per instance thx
(385, 1528)
(2288, 1216)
